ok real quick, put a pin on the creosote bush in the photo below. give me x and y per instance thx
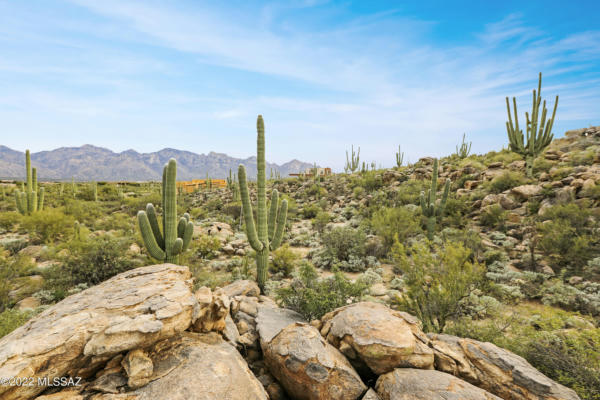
(284, 260)
(507, 180)
(401, 221)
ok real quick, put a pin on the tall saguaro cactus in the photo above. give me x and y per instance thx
(539, 133)
(28, 200)
(399, 157)
(352, 161)
(267, 234)
(177, 235)
(428, 204)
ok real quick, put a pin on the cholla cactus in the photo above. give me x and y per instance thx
(267, 234)
(428, 204)
(537, 139)
(27, 200)
(177, 235)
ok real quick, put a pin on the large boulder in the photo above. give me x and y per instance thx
(418, 384)
(495, 369)
(309, 368)
(525, 192)
(80, 334)
(242, 288)
(381, 338)
(195, 366)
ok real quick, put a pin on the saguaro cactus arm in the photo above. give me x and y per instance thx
(149, 239)
(281, 218)
(247, 210)
(151, 212)
(273, 212)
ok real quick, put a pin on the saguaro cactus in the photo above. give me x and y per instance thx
(428, 204)
(95, 190)
(352, 161)
(537, 138)
(464, 149)
(399, 157)
(27, 200)
(177, 235)
(267, 234)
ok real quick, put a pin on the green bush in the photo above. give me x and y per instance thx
(321, 220)
(566, 237)
(9, 219)
(400, 221)
(507, 180)
(12, 319)
(206, 246)
(344, 242)
(310, 211)
(234, 210)
(493, 217)
(48, 225)
(96, 260)
(313, 297)
(284, 260)
(86, 212)
(436, 281)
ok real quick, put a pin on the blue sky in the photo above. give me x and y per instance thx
(325, 74)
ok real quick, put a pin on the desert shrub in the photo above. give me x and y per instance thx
(409, 192)
(116, 221)
(572, 360)
(214, 204)
(566, 237)
(560, 173)
(48, 225)
(86, 212)
(358, 192)
(507, 180)
(9, 219)
(493, 217)
(95, 260)
(505, 156)
(400, 221)
(371, 181)
(284, 260)
(313, 297)
(310, 211)
(321, 220)
(455, 212)
(206, 246)
(435, 281)
(592, 192)
(10, 269)
(557, 293)
(12, 319)
(541, 165)
(469, 238)
(234, 210)
(135, 204)
(344, 244)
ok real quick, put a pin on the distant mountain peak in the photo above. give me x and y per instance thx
(107, 165)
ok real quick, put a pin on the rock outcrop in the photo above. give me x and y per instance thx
(495, 369)
(81, 333)
(379, 337)
(309, 368)
(418, 384)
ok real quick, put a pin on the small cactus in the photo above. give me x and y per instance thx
(428, 204)
(177, 235)
(267, 234)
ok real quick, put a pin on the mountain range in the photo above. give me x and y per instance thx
(92, 163)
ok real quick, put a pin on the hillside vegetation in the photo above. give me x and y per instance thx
(496, 255)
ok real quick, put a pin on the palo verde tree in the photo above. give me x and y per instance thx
(267, 234)
(177, 235)
(539, 133)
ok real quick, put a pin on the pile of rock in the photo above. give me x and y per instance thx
(144, 334)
